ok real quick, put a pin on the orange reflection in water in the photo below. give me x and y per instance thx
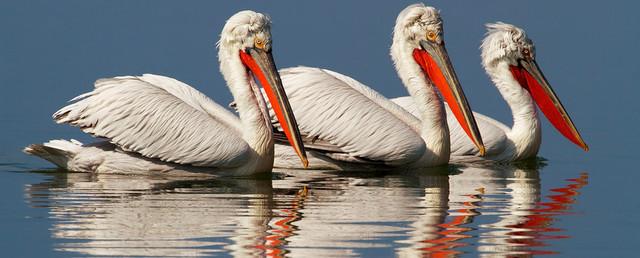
(544, 215)
(282, 228)
(496, 211)
(528, 233)
(453, 231)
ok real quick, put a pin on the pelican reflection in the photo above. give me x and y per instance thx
(495, 210)
(513, 216)
(110, 215)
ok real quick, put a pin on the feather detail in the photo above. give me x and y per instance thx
(158, 117)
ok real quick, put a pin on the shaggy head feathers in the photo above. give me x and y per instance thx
(242, 28)
(505, 42)
(414, 21)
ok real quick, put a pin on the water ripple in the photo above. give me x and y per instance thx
(481, 210)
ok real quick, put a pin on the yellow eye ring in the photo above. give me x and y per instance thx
(259, 43)
(431, 36)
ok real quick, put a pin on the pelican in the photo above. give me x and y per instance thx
(347, 125)
(156, 123)
(509, 58)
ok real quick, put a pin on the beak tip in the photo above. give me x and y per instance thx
(482, 150)
(305, 162)
(585, 147)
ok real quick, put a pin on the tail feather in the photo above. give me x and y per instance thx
(58, 152)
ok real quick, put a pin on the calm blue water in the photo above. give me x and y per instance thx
(508, 210)
(575, 204)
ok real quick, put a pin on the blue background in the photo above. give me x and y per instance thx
(51, 51)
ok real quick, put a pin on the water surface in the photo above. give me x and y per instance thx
(497, 210)
(578, 205)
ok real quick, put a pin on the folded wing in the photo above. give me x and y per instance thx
(159, 117)
(493, 132)
(338, 114)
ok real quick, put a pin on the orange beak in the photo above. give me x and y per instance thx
(435, 63)
(530, 77)
(261, 64)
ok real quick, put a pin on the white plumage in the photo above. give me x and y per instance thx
(349, 124)
(506, 47)
(151, 113)
(460, 143)
(156, 123)
(330, 108)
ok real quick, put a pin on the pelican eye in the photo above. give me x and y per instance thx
(526, 53)
(259, 43)
(431, 35)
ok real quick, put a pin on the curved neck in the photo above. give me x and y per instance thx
(525, 133)
(256, 127)
(433, 129)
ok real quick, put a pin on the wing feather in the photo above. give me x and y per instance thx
(334, 111)
(159, 117)
(493, 132)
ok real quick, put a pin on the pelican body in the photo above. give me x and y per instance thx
(508, 57)
(156, 123)
(347, 125)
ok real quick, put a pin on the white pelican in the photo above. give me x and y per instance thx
(508, 57)
(156, 123)
(348, 125)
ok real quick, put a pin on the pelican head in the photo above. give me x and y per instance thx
(419, 29)
(246, 29)
(506, 46)
(505, 42)
(418, 22)
(246, 37)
